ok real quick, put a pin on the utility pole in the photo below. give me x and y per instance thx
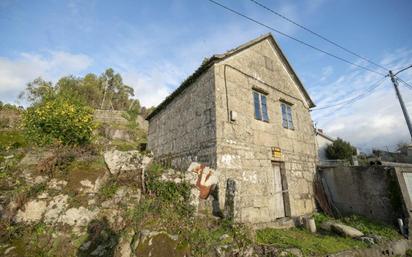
(398, 93)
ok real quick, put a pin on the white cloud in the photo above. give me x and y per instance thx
(16, 72)
(153, 86)
(374, 121)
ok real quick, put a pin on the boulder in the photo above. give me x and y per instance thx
(33, 158)
(56, 184)
(205, 178)
(123, 248)
(33, 211)
(55, 208)
(78, 217)
(159, 244)
(346, 231)
(326, 225)
(121, 161)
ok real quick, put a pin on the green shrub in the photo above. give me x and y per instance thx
(109, 190)
(11, 139)
(341, 150)
(59, 120)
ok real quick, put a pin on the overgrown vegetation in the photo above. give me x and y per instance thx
(340, 150)
(366, 226)
(12, 139)
(59, 119)
(325, 242)
(310, 244)
(166, 207)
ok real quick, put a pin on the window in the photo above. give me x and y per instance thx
(261, 110)
(287, 121)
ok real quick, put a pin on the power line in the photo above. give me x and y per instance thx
(404, 82)
(318, 35)
(293, 38)
(356, 98)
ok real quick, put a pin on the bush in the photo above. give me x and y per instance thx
(340, 150)
(59, 120)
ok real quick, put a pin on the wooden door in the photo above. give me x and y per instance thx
(279, 206)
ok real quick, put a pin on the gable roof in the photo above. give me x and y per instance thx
(322, 134)
(208, 62)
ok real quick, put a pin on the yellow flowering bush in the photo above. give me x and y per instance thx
(59, 120)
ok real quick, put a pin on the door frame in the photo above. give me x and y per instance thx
(285, 188)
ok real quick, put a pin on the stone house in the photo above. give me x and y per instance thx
(322, 142)
(246, 114)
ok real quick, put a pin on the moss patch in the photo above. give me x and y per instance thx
(83, 170)
(162, 245)
(310, 244)
(123, 145)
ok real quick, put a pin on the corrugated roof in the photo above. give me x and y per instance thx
(208, 62)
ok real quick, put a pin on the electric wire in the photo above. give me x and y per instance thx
(405, 83)
(356, 98)
(318, 35)
(293, 38)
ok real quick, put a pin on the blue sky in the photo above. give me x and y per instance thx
(157, 44)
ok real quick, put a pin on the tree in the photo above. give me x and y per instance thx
(106, 91)
(59, 120)
(340, 150)
(38, 91)
(116, 94)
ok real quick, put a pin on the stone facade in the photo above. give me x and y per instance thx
(185, 131)
(212, 121)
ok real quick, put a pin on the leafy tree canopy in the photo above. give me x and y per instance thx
(340, 150)
(106, 91)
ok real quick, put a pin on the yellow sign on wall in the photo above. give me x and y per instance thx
(276, 152)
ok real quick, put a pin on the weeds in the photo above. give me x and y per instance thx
(109, 189)
(369, 227)
(366, 226)
(308, 243)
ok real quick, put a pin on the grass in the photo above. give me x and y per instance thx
(109, 189)
(325, 242)
(79, 170)
(11, 139)
(366, 226)
(123, 145)
(310, 244)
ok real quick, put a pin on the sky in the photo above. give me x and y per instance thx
(156, 44)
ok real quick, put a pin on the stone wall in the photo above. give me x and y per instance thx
(371, 191)
(244, 146)
(110, 117)
(184, 131)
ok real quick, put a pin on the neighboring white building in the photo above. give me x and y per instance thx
(322, 142)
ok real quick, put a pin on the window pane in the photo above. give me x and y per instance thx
(287, 116)
(284, 123)
(257, 106)
(264, 108)
(290, 121)
(283, 109)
